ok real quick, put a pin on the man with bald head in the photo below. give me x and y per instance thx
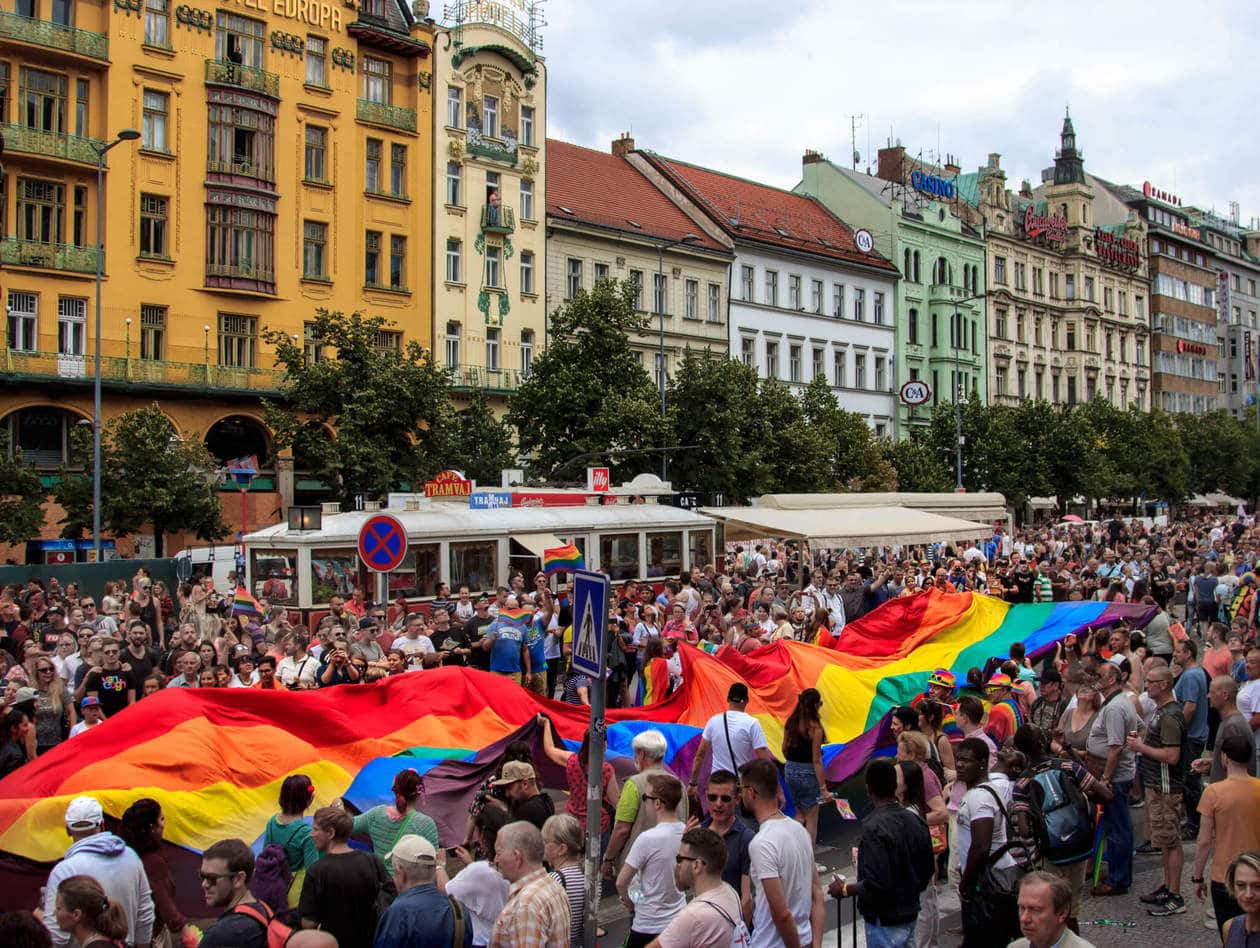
(536, 914)
(1223, 696)
(311, 938)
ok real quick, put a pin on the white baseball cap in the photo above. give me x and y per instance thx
(84, 813)
(413, 849)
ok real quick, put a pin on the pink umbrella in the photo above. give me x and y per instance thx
(1072, 518)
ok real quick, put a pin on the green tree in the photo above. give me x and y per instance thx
(587, 396)
(714, 405)
(919, 466)
(1219, 443)
(149, 476)
(390, 408)
(21, 496)
(800, 455)
(480, 444)
(857, 463)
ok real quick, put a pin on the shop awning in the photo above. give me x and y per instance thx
(846, 526)
(537, 542)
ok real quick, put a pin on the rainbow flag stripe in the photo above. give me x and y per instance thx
(215, 758)
(520, 616)
(563, 559)
(243, 604)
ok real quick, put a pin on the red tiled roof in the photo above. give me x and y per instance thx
(601, 189)
(751, 211)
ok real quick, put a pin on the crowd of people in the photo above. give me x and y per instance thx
(1016, 782)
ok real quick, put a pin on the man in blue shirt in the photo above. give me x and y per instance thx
(1192, 691)
(505, 640)
(421, 916)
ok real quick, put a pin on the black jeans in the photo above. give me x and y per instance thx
(1224, 906)
(1194, 784)
(553, 671)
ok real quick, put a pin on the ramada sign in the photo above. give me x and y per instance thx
(1052, 228)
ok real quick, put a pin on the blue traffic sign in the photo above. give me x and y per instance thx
(590, 622)
(382, 543)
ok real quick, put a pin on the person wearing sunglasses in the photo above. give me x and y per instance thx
(226, 870)
(722, 793)
(54, 707)
(713, 917)
(651, 860)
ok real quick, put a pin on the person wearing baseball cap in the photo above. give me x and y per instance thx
(107, 859)
(734, 736)
(1004, 713)
(421, 914)
(93, 714)
(525, 800)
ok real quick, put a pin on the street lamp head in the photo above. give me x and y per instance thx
(128, 135)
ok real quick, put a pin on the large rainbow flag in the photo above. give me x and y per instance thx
(215, 758)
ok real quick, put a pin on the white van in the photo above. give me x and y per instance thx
(219, 562)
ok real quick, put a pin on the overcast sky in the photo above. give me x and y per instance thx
(1159, 91)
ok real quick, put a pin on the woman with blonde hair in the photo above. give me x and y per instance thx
(54, 711)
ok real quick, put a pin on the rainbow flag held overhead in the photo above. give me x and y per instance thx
(563, 559)
(215, 758)
(243, 604)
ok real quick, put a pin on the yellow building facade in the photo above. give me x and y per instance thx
(284, 164)
(489, 233)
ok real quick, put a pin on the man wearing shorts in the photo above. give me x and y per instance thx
(1162, 775)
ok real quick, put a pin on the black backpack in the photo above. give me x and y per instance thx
(1050, 815)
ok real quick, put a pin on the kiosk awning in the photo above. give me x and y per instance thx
(846, 526)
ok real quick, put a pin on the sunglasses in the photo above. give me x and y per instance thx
(723, 797)
(679, 860)
(210, 878)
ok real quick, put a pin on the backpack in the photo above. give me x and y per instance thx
(1050, 815)
(278, 933)
(272, 878)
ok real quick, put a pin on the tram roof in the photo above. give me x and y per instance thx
(446, 520)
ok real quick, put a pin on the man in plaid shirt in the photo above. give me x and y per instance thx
(537, 911)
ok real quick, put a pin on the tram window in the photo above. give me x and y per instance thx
(402, 581)
(664, 554)
(333, 573)
(473, 565)
(619, 555)
(427, 564)
(274, 577)
(701, 548)
(521, 560)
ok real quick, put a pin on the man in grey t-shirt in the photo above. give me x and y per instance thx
(1223, 696)
(1107, 742)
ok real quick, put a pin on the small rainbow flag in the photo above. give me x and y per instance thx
(563, 559)
(243, 604)
(518, 617)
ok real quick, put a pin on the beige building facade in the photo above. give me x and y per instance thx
(489, 137)
(605, 220)
(1068, 294)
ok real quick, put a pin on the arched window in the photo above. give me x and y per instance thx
(41, 436)
(917, 277)
(912, 326)
(238, 436)
(905, 270)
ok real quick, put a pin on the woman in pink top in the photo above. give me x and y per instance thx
(1216, 657)
(679, 626)
(575, 769)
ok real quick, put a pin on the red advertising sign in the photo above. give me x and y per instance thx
(1158, 195)
(1191, 348)
(1050, 227)
(1117, 250)
(531, 499)
(448, 484)
(597, 479)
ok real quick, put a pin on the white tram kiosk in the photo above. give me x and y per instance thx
(449, 541)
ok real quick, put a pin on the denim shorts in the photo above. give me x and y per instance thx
(802, 784)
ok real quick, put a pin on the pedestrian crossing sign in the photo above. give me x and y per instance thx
(590, 622)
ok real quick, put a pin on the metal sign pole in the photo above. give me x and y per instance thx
(590, 657)
(594, 802)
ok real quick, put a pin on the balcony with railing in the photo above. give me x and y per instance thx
(497, 219)
(224, 73)
(118, 372)
(466, 378)
(26, 29)
(391, 116)
(16, 252)
(37, 141)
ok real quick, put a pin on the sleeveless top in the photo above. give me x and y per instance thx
(1239, 937)
(1076, 739)
(800, 750)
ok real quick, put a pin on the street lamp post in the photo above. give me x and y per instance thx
(126, 135)
(660, 355)
(958, 438)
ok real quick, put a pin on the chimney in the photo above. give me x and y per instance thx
(892, 163)
(812, 157)
(623, 145)
(951, 165)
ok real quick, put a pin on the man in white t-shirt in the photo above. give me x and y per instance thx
(1249, 694)
(712, 918)
(651, 859)
(733, 731)
(297, 670)
(787, 897)
(982, 832)
(411, 643)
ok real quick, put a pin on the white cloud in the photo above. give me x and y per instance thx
(1158, 90)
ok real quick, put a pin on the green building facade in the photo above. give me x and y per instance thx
(908, 209)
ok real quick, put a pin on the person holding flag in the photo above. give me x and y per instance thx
(505, 641)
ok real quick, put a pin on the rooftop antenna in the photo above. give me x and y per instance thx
(853, 124)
